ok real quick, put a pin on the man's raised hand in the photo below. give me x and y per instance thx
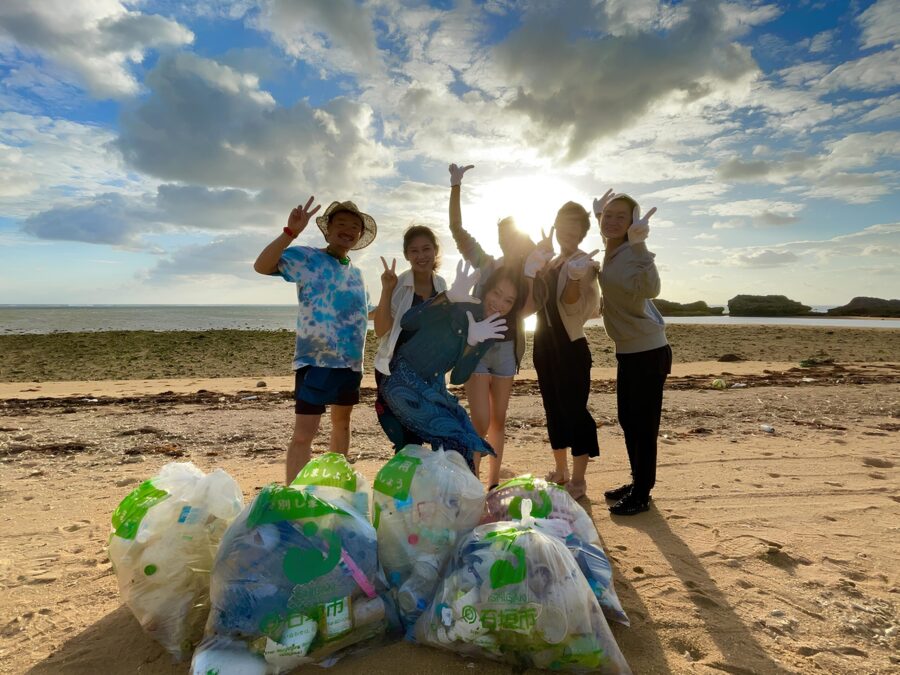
(299, 216)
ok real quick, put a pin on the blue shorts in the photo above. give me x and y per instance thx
(316, 387)
(499, 360)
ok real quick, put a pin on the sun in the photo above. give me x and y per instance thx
(532, 200)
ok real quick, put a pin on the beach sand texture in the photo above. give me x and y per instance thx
(762, 553)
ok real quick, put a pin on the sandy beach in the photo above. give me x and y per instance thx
(763, 552)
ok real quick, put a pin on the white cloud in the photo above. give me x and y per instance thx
(877, 72)
(94, 40)
(822, 42)
(880, 23)
(754, 208)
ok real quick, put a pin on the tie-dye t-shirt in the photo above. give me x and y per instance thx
(331, 325)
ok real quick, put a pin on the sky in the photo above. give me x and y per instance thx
(150, 149)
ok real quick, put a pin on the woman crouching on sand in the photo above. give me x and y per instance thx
(398, 295)
(566, 295)
(629, 279)
(447, 333)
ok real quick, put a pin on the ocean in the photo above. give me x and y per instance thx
(75, 319)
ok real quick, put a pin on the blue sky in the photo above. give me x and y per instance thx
(149, 150)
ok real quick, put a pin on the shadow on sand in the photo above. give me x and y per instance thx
(742, 654)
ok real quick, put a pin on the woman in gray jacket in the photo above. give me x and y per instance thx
(629, 279)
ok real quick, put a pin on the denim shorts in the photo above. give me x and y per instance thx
(499, 360)
(316, 387)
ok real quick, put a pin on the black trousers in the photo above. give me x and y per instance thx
(639, 392)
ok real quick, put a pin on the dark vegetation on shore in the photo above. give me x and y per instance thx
(138, 355)
(779, 305)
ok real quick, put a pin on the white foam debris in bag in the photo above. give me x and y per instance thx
(514, 593)
(425, 500)
(553, 503)
(164, 539)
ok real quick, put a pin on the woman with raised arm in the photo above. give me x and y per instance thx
(566, 295)
(489, 388)
(447, 333)
(629, 280)
(398, 295)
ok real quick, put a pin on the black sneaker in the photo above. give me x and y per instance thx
(630, 506)
(617, 493)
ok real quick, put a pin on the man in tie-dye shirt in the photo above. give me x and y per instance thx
(331, 325)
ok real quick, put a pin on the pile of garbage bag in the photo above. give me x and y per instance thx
(514, 593)
(164, 539)
(331, 478)
(296, 580)
(425, 500)
(551, 502)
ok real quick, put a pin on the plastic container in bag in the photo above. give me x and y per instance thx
(551, 502)
(296, 581)
(515, 594)
(424, 502)
(165, 536)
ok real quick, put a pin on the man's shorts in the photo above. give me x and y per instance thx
(316, 387)
(499, 360)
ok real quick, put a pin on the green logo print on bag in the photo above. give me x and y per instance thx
(538, 510)
(396, 476)
(331, 469)
(503, 572)
(128, 515)
(303, 565)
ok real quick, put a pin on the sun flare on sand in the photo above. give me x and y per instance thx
(531, 200)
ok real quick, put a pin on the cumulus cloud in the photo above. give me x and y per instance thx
(226, 256)
(764, 258)
(590, 88)
(94, 40)
(206, 123)
(111, 218)
(877, 72)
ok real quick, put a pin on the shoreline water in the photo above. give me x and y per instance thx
(160, 318)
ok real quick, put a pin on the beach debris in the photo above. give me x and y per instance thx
(718, 383)
(729, 358)
(767, 428)
(817, 360)
(165, 535)
(249, 398)
(261, 383)
(739, 385)
(514, 593)
(297, 578)
(425, 501)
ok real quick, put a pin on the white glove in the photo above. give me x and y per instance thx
(462, 285)
(491, 328)
(600, 204)
(580, 266)
(640, 227)
(456, 173)
(535, 261)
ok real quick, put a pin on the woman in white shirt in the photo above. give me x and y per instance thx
(398, 294)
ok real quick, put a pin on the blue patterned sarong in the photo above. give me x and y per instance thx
(425, 407)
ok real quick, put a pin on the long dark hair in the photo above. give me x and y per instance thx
(512, 274)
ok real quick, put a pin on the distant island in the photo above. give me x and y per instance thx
(780, 306)
(699, 308)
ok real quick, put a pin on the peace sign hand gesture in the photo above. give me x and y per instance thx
(600, 204)
(540, 256)
(640, 227)
(389, 276)
(580, 266)
(299, 217)
(456, 173)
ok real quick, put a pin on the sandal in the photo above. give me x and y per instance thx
(555, 477)
(576, 488)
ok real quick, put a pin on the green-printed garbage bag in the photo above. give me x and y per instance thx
(425, 501)
(296, 581)
(165, 535)
(551, 502)
(331, 477)
(514, 593)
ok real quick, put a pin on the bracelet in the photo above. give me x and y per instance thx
(289, 232)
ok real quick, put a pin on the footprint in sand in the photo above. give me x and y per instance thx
(833, 483)
(878, 463)
(621, 547)
(774, 475)
(877, 475)
(830, 518)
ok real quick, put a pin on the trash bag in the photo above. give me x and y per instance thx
(514, 593)
(296, 581)
(552, 502)
(165, 536)
(424, 501)
(330, 477)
